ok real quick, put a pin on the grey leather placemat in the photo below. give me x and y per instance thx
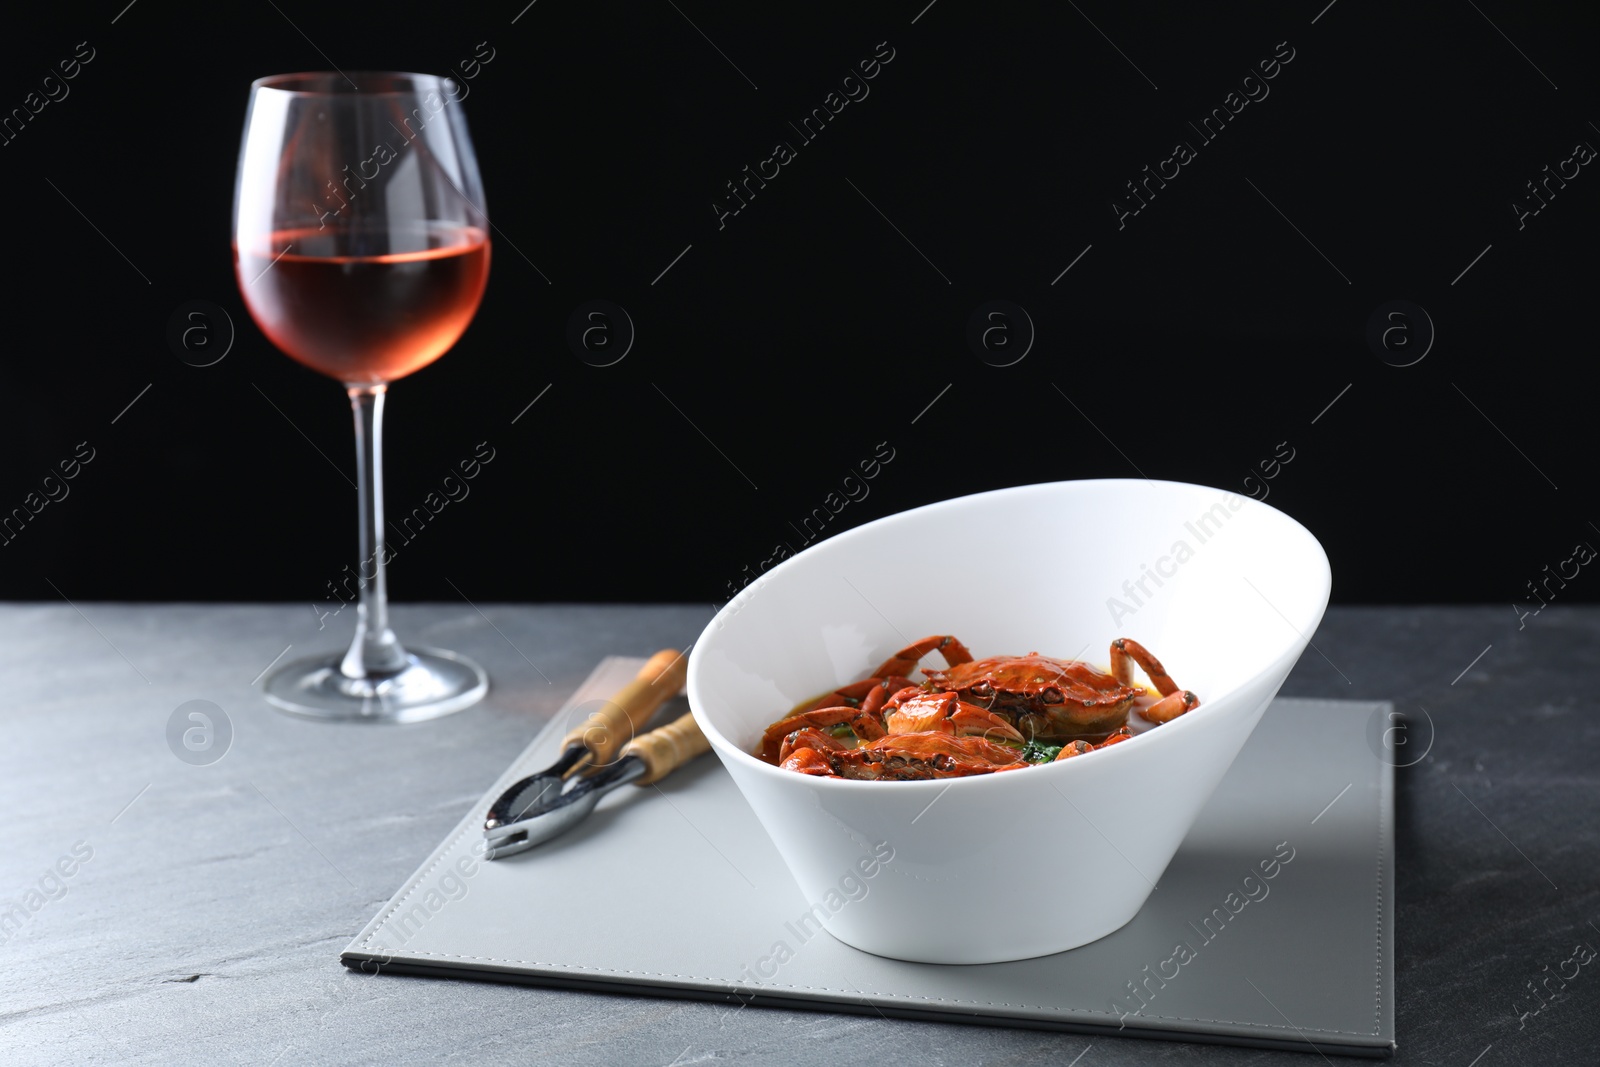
(676, 890)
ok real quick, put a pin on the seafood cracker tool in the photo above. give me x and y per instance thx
(645, 760)
(593, 743)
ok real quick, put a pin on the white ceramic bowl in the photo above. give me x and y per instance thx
(1224, 590)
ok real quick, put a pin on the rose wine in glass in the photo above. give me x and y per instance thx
(361, 246)
(369, 318)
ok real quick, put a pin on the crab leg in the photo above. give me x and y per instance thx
(843, 695)
(810, 737)
(1079, 748)
(905, 661)
(876, 698)
(1170, 706)
(1125, 652)
(866, 725)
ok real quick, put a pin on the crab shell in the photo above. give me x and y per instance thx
(1046, 699)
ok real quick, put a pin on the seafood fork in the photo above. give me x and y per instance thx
(594, 743)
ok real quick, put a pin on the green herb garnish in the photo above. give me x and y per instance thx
(1034, 752)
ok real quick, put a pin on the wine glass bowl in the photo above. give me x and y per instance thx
(361, 247)
(366, 318)
(360, 237)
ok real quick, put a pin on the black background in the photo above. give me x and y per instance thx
(807, 330)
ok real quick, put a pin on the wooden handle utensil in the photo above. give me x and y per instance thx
(666, 749)
(618, 721)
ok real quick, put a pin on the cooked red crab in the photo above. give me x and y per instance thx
(1062, 699)
(971, 717)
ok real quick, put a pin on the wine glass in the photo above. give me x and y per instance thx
(361, 246)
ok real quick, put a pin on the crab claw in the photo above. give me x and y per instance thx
(905, 661)
(913, 711)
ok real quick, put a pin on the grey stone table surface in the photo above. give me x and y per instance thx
(205, 907)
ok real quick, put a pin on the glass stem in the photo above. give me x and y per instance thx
(375, 649)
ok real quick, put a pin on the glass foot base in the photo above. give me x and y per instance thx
(434, 683)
